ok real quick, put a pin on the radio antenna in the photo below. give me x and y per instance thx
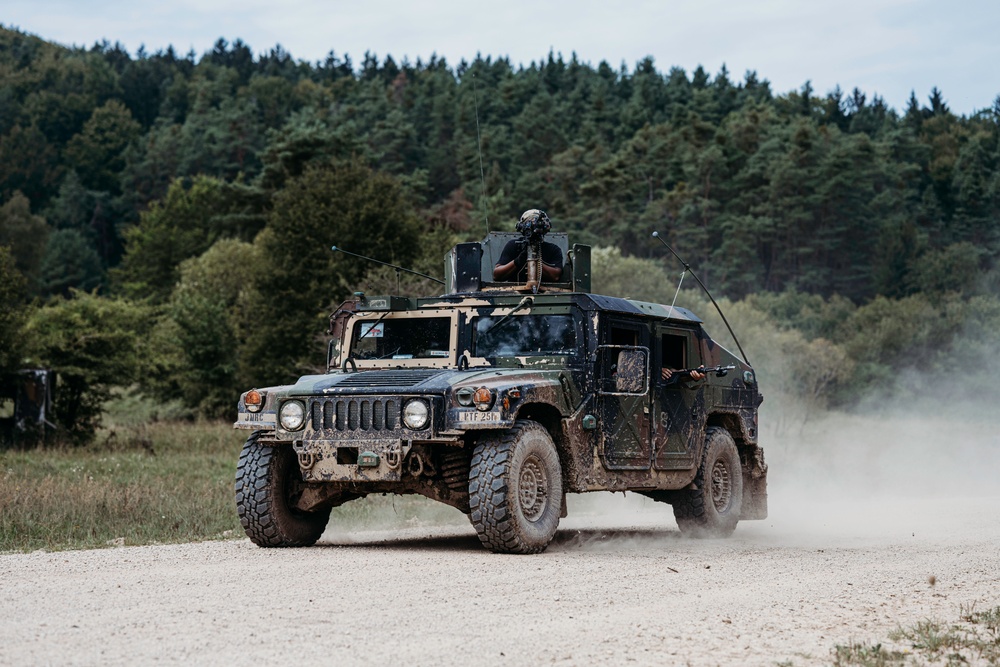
(688, 269)
(391, 266)
(479, 140)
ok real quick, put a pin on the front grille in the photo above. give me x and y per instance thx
(364, 413)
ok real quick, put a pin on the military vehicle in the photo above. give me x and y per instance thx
(499, 399)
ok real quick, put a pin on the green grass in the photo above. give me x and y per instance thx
(864, 654)
(159, 482)
(163, 482)
(973, 640)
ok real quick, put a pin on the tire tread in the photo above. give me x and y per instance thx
(489, 490)
(265, 519)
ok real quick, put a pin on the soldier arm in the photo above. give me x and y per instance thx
(667, 375)
(552, 262)
(512, 258)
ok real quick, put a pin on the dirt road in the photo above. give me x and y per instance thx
(863, 512)
(615, 587)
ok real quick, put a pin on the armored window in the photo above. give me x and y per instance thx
(401, 338)
(623, 336)
(538, 335)
(672, 348)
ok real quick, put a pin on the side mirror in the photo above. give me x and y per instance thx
(630, 374)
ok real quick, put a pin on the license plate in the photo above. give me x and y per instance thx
(480, 417)
(257, 417)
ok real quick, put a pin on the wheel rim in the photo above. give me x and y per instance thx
(532, 489)
(722, 486)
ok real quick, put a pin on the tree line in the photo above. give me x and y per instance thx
(188, 202)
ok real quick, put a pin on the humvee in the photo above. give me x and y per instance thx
(499, 401)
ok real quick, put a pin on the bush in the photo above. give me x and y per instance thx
(93, 345)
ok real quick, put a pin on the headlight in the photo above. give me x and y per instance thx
(464, 396)
(292, 415)
(415, 414)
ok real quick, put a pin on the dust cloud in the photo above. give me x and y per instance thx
(839, 479)
(834, 478)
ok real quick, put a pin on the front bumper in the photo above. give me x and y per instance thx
(360, 438)
(351, 460)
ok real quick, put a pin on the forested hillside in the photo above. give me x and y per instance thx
(175, 212)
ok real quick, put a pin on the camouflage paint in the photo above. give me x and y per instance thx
(649, 434)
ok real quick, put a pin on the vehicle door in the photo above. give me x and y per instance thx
(623, 363)
(678, 410)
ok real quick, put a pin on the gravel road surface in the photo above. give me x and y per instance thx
(619, 585)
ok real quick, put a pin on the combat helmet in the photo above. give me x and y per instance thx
(534, 222)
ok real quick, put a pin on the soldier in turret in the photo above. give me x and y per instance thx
(512, 265)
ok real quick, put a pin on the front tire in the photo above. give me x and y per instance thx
(265, 484)
(713, 508)
(515, 490)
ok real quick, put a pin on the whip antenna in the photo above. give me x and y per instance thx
(688, 269)
(391, 266)
(479, 141)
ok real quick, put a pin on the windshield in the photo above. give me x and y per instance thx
(404, 338)
(521, 335)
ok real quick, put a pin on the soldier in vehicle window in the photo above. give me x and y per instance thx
(512, 265)
(666, 374)
(674, 355)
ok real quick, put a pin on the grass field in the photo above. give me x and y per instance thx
(165, 481)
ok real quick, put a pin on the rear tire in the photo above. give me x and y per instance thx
(515, 490)
(713, 508)
(265, 484)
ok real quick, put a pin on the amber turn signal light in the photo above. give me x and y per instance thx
(483, 398)
(253, 400)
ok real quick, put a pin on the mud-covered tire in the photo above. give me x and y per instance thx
(713, 508)
(263, 495)
(515, 490)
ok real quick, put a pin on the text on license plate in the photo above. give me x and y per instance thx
(480, 417)
(263, 418)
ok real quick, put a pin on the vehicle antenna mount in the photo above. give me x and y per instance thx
(687, 268)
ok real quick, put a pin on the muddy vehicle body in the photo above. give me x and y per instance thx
(499, 401)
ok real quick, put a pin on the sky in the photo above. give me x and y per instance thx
(885, 47)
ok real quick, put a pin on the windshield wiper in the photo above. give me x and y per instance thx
(367, 333)
(525, 302)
